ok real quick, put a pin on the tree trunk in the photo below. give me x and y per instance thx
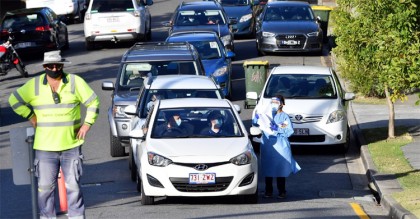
(391, 122)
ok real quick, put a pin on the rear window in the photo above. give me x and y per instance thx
(24, 20)
(200, 17)
(112, 6)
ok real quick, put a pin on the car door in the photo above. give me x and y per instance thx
(59, 29)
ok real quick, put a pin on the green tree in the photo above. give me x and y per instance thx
(378, 46)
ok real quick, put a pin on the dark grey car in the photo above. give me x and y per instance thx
(140, 60)
(287, 26)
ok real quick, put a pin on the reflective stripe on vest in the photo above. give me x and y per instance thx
(55, 106)
(93, 109)
(20, 102)
(91, 98)
(72, 84)
(37, 85)
(57, 124)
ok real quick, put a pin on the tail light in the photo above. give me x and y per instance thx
(43, 28)
(4, 33)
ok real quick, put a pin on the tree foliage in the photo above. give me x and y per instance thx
(378, 45)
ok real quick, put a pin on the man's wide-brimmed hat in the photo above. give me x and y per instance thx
(54, 57)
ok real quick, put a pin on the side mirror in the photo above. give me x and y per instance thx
(131, 110)
(318, 18)
(233, 21)
(167, 23)
(108, 85)
(349, 96)
(230, 54)
(137, 134)
(255, 131)
(237, 108)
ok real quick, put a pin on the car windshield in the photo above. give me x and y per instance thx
(112, 6)
(288, 13)
(200, 17)
(234, 2)
(196, 123)
(134, 73)
(207, 49)
(305, 86)
(159, 94)
(23, 20)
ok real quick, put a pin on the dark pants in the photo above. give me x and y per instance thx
(281, 185)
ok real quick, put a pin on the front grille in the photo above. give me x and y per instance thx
(301, 39)
(306, 119)
(182, 185)
(306, 138)
(209, 165)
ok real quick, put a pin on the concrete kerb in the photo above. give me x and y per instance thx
(384, 184)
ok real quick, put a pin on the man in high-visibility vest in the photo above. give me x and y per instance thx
(51, 102)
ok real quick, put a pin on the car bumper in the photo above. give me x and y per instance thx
(271, 44)
(114, 37)
(230, 180)
(320, 133)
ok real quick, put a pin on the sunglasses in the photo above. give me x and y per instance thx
(56, 97)
(51, 66)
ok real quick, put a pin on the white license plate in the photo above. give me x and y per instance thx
(113, 19)
(23, 45)
(301, 131)
(290, 42)
(202, 178)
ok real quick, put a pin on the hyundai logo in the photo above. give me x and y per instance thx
(290, 36)
(201, 167)
(298, 117)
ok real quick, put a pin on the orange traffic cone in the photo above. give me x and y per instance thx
(62, 192)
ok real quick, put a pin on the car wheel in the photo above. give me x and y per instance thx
(149, 31)
(345, 147)
(146, 200)
(90, 45)
(117, 150)
(67, 44)
(132, 165)
(138, 183)
(251, 199)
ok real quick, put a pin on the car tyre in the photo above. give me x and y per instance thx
(138, 183)
(149, 31)
(132, 165)
(260, 52)
(146, 200)
(117, 150)
(345, 147)
(90, 45)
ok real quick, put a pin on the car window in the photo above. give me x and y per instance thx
(207, 49)
(200, 17)
(112, 6)
(234, 2)
(150, 95)
(195, 122)
(19, 21)
(288, 13)
(301, 86)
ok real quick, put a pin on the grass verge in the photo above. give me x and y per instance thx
(389, 158)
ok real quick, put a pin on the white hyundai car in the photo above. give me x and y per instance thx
(187, 159)
(315, 101)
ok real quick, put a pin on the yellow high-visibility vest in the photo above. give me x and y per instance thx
(57, 124)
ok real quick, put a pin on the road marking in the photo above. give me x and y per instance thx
(359, 211)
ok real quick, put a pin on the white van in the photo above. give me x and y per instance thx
(71, 9)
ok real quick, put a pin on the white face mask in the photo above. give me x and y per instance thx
(275, 106)
(178, 122)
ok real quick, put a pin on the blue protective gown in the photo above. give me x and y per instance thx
(276, 154)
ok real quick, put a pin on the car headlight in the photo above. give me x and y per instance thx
(268, 34)
(242, 159)
(315, 34)
(220, 71)
(336, 116)
(245, 18)
(119, 111)
(226, 39)
(157, 160)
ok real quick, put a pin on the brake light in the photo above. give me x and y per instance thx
(43, 28)
(4, 33)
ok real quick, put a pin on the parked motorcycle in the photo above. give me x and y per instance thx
(9, 58)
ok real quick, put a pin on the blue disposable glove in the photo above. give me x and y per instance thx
(257, 116)
(274, 126)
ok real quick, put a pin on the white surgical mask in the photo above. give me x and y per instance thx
(275, 106)
(178, 122)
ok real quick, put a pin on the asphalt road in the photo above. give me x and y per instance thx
(329, 185)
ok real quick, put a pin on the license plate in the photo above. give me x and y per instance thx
(290, 42)
(113, 19)
(202, 178)
(301, 131)
(23, 45)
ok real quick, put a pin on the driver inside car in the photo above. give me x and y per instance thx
(174, 126)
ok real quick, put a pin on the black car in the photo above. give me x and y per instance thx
(203, 16)
(288, 26)
(35, 30)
